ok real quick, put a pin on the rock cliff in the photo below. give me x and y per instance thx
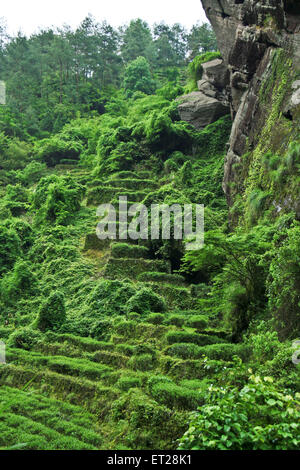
(260, 45)
(210, 103)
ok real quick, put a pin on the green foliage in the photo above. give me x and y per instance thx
(161, 277)
(123, 250)
(186, 337)
(284, 284)
(52, 313)
(199, 322)
(175, 396)
(224, 352)
(53, 150)
(139, 347)
(24, 338)
(145, 300)
(16, 199)
(20, 282)
(137, 77)
(10, 247)
(257, 417)
(176, 320)
(110, 297)
(201, 39)
(141, 362)
(238, 261)
(14, 154)
(32, 173)
(156, 318)
(125, 383)
(50, 424)
(57, 198)
(195, 69)
(170, 91)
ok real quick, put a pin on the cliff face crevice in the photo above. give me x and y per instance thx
(249, 35)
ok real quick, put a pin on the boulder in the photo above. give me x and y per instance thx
(207, 88)
(207, 105)
(200, 110)
(216, 73)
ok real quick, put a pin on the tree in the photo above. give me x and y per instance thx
(201, 39)
(170, 45)
(137, 77)
(137, 41)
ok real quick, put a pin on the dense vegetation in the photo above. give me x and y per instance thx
(137, 345)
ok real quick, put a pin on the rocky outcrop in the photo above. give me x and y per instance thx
(248, 33)
(207, 105)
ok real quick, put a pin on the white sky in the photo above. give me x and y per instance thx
(29, 15)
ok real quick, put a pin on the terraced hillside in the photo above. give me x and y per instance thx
(134, 388)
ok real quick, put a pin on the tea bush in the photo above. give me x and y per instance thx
(229, 420)
(52, 313)
(145, 300)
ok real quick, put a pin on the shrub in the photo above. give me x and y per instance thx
(194, 384)
(110, 297)
(293, 155)
(10, 248)
(20, 282)
(199, 322)
(125, 328)
(170, 91)
(142, 362)
(16, 199)
(16, 154)
(133, 316)
(184, 350)
(137, 77)
(145, 301)
(220, 351)
(58, 199)
(54, 149)
(184, 337)
(177, 320)
(123, 250)
(175, 396)
(127, 349)
(32, 173)
(225, 351)
(24, 338)
(24, 231)
(52, 313)
(258, 417)
(155, 318)
(148, 421)
(158, 379)
(127, 382)
(161, 277)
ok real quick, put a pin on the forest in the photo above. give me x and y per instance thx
(130, 345)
